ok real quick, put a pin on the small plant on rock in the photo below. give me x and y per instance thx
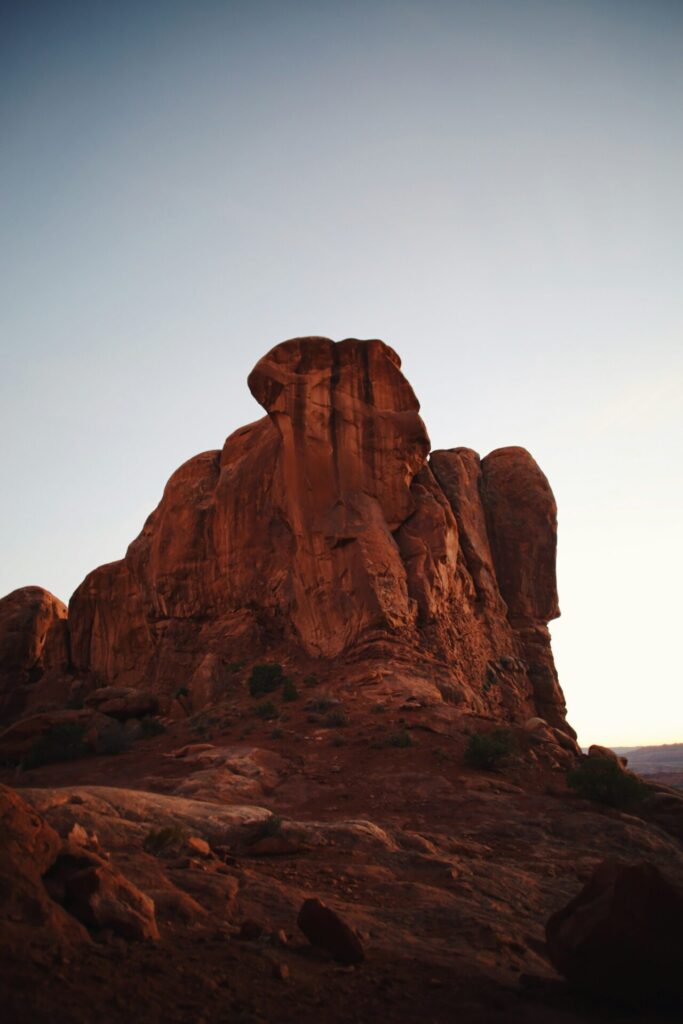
(160, 841)
(289, 690)
(336, 719)
(490, 750)
(401, 738)
(265, 678)
(266, 711)
(605, 782)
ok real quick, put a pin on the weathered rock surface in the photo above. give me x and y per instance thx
(122, 703)
(28, 847)
(59, 736)
(323, 529)
(621, 936)
(323, 927)
(33, 646)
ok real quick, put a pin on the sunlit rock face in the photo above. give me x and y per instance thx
(33, 646)
(325, 530)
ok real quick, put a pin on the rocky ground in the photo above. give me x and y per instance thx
(447, 873)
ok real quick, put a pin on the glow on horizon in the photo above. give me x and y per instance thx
(494, 189)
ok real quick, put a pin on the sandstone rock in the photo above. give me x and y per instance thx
(59, 736)
(325, 928)
(621, 936)
(99, 896)
(606, 754)
(351, 541)
(28, 847)
(122, 702)
(33, 646)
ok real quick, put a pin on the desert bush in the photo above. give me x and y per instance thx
(311, 680)
(603, 781)
(151, 726)
(266, 711)
(270, 827)
(489, 750)
(400, 738)
(64, 742)
(336, 719)
(164, 840)
(289, 690)
(264, 679)
(322, 703)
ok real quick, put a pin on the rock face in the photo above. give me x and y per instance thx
(33, 645)
(621, 936)
(324, 529)
(324, 928)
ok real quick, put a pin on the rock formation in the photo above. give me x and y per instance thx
(323, 530)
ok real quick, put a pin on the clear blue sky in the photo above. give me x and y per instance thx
(493, 187)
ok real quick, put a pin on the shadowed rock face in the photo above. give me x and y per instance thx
(33, 645)
(323, 529)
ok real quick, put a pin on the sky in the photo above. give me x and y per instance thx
(492, 187)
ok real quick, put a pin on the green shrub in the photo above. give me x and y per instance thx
(264, 679)
(322, 703)
(277, 733)
(311, 680)
(289, 690)
(602, 780)
(489, 750)
(266, 711)
(270, 827)
(164, 840)
(64, 742)
(401, 738)
(336, 719)
(151, 726)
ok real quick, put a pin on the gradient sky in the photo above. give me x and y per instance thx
(493, 187)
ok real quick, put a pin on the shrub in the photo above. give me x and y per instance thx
(336, 719)
(264, 679)
(151, 726)
(489, 750)
(164, 840)
(266, 711)
(64, 742)
(311, 680)
(401, 738)
(322, 703)
(267, 828)
(289, 690)
(603, 781)
(277, 733)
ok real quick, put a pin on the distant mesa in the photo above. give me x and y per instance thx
(324, 530)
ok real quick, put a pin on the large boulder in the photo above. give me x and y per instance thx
(33, 646)
(52, 736)
(324, 928)
(28, 848)
(622, 936)
(123, 702)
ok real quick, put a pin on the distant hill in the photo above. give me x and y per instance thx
(652, 760)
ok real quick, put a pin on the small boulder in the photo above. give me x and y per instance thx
(621, 936)
(325, 928)
(100, 897)
(122, 702)
(606, 754)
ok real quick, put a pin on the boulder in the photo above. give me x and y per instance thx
(122, 702)
(28, 848)
(34, 647)
(621, 936)
(324, 928)
(93, 891)
(606, 754)
(59, 736)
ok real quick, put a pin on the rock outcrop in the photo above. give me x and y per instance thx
(34, 652)
(621, 936)
(325, 529)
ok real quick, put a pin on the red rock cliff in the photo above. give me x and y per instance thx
(324, 530)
